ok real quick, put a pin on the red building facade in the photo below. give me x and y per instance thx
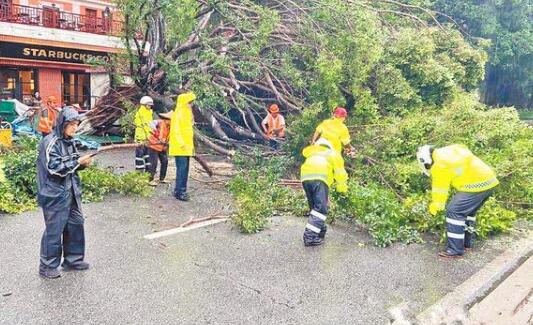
(57, 48)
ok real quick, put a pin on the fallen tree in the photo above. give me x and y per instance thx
(241, 56)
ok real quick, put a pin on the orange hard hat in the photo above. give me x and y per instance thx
(340, 112)
(274, 108)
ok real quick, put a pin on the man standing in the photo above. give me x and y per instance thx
(143, 119)
(181, 142)
(334, 130)
(47, 116)
(474, 181)
(274, 125)
(59, 195)
(158, 146)
(323, 165)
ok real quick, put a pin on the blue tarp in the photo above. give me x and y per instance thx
(22, 127)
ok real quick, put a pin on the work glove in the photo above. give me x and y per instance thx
(342, 188)
(434, 208)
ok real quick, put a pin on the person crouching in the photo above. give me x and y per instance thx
(323, 166)
(474, 181)
(59, 195)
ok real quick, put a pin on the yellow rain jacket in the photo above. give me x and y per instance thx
(143, 119)
(335, 132)
(457, 166)
(326, 165)
(181, 127)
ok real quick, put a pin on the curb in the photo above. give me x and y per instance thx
(454, 307)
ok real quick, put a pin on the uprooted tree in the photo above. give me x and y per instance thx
(407, 74)
(240, 56)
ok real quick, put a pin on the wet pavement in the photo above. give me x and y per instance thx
(216, 275)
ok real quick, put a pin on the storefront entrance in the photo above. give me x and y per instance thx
(18, 84)
(77, 89)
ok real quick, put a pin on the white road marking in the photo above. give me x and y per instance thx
(181, 229)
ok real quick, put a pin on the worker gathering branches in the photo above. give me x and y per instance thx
(451, 166)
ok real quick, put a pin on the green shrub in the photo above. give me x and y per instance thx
(134, 183)
(12, 201)
(492, 219)
(257, 192)
(20, 168)
(97, 183)
(378, 209)
(19, 190)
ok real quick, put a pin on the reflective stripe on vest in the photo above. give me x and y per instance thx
(312, 177)
(480, 185)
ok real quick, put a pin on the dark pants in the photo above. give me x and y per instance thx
(182, 175)
(276, 143)
(317, 198)
(142, 158)
(156, 156)
(64, 234)
(461, 218)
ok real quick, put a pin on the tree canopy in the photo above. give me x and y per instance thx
(508, 24)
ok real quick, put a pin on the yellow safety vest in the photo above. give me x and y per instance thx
(456, 166)
(335, 132)
(142, 121)
(181, 139)
(323, 164)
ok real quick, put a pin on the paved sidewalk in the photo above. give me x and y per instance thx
(500, 293)
(510, 303)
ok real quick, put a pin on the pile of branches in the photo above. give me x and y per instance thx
(233, 57)
(108, 110)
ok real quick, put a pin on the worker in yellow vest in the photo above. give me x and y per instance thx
(322, 167)
(335, 131)
(143, 120)
(455, 166)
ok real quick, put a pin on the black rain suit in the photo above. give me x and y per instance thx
(59, 195)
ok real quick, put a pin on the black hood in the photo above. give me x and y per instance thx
(67, 114)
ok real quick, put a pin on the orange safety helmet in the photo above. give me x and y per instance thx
(340, 112)
(273, 108)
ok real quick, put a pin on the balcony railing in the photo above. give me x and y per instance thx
(48, 17)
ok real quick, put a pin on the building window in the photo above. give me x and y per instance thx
(18, 84)
(91, 20)
(6, 9)
(77, 89)
(51, 16)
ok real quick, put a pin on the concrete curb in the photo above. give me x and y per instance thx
(454, 307)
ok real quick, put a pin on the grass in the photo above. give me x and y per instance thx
(526, 115)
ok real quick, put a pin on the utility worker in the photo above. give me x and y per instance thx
(274, 123)
(473, 180)
(157, 147)
(47, 116)
(323, 165)
(181, 144)
(143, 119)
(335, 131)
(59, 195)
